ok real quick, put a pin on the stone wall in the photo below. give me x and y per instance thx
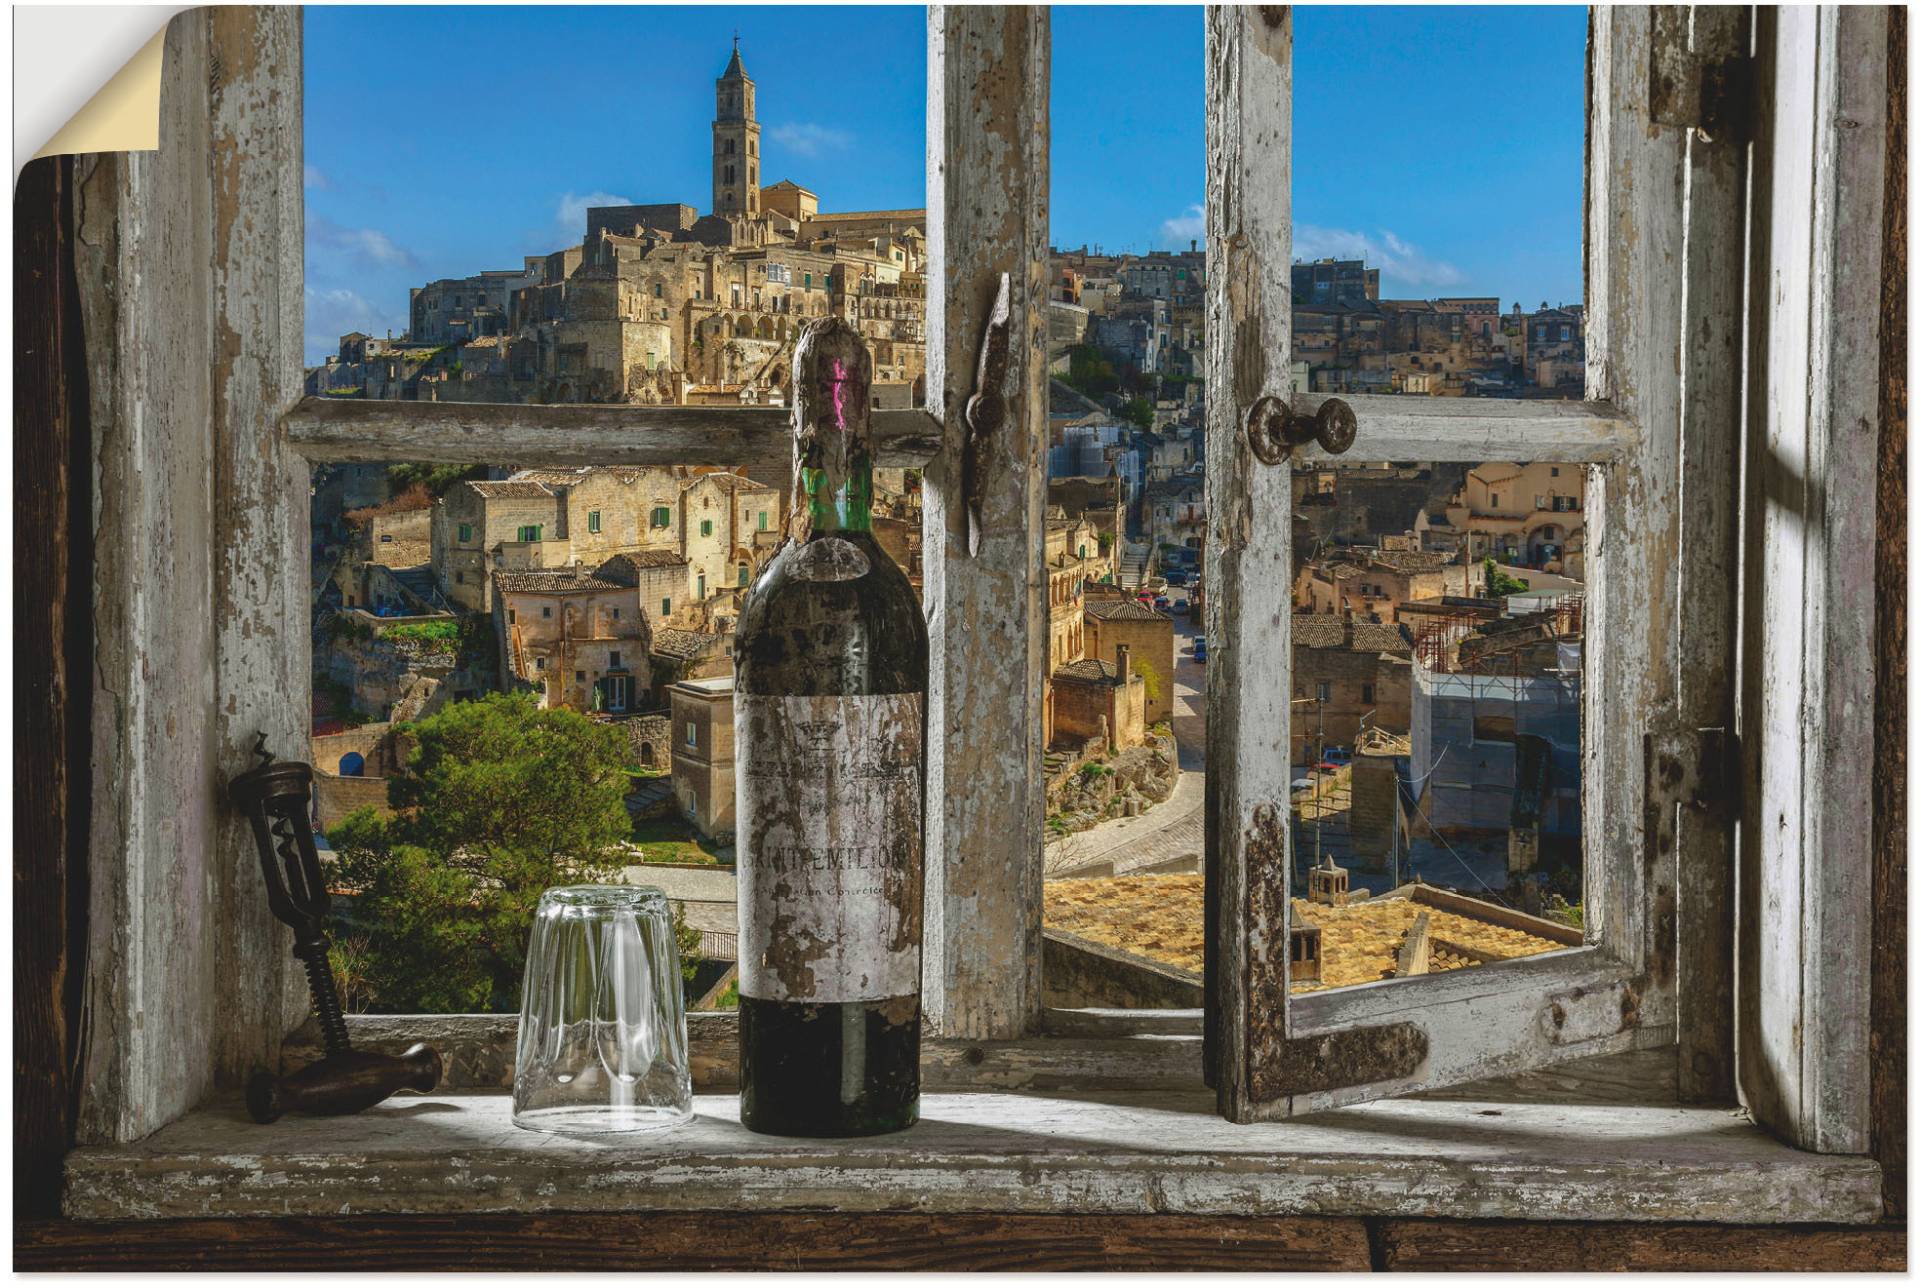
(1125, 786)
(649, 740)
(1080, 973)
(1152, 655)
(334, 797)
(1371, 817)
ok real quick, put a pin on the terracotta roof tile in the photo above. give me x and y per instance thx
(1117, 609)
(682, 644)
(511, 489)
(550, 581)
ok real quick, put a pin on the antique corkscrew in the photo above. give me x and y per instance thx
(275, 797)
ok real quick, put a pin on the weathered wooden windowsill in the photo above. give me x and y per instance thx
(1138, 1153)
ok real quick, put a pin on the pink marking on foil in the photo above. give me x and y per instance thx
(840, 395)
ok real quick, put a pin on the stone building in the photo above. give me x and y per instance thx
(1073, 558)
(483, 526)
(1116, 622)
(1331, 281)
(687, 655)
(1094, 700)
(576, 638)
(1531, 515)
(1101, 503)
(709, 523)
(729, 528)
(1556, 349)
(454, 310)
(1374, 585)
(660, 577)
(703, 754)
(1346, 672)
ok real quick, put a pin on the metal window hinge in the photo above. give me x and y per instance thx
(1705, 89)
(1698, 768)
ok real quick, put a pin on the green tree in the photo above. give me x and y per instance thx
(1089, 371)
(499, 800)
(437, 479)
(1499, 584)
(1140, 412)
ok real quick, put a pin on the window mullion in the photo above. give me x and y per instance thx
(987, 137)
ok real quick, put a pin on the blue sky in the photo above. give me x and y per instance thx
(1442, 144)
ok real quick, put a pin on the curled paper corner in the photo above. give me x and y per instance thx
(124, 114)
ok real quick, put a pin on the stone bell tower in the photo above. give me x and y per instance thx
(736, 142)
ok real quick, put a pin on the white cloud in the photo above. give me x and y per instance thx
(804, 138)
(1189, 225)
(362, 247)
(316, 178)
(1397, 260)
(570, 213)
(333, 313)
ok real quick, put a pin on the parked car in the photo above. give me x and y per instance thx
(1200, 648)
(1161, 602)
(1337, 755)
(1181, 607)
(1176, 578)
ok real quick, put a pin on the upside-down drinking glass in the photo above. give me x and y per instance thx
(603, 1027)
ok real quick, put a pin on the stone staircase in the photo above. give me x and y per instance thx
(1133, 567)
(420, 583)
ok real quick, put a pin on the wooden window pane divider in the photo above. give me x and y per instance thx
(459, 433)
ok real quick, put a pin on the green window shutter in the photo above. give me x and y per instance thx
(701, 589)
(593, 520)
(743, 574)
(706, 527)
(466, 532)
(763, 520)
(666, 607)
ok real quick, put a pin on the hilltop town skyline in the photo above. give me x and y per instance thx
(1128, 168)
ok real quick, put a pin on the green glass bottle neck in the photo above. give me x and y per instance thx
(844, 509)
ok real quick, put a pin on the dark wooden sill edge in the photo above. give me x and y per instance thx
(732, 1240)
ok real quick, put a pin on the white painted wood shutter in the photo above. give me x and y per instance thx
(1807, 711)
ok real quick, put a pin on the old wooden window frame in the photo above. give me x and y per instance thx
(187, 979)
(1667, 227)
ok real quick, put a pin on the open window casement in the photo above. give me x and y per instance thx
(1674, 370)
(1270, 1054)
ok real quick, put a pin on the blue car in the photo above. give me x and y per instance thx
(1200, 648)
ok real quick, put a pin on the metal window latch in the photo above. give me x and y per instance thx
(986, 410)
(1274, 429)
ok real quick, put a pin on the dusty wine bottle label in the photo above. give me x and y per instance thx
(828, 800)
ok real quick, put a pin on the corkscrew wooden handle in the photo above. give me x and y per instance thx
(343, 1083)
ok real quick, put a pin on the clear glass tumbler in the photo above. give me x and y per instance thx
(603, 1025)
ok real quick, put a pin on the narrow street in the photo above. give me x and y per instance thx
(1171, 836)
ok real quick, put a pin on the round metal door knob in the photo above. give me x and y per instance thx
(1274, 429)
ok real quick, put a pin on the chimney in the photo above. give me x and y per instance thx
(1123, 663)
(1193, 244)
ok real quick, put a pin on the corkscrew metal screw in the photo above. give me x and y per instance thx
(275, 796)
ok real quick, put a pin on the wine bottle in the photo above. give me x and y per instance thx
(830, 681)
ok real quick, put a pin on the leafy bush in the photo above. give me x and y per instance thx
(498, 801)
(431, 636)
(1499, 584)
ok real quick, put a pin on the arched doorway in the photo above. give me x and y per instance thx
(646, 755)
(353, 765)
